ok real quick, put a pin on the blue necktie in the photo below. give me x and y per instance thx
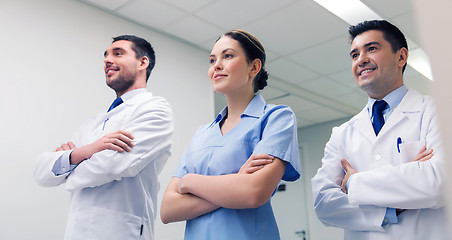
(377, 115)
(115, 103)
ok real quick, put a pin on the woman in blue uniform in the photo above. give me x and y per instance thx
(231, 168)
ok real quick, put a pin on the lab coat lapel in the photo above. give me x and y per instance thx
(364, 125)
(410, 104)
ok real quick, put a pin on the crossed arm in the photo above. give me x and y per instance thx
(422, 156)
(194, 195)
(119, 141)
(360, 210)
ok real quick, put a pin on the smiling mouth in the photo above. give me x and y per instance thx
(219, 76)
(366, 71)
(111, 70)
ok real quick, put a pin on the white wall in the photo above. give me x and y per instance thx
(432, 18)
(51, 75)
(313, 140)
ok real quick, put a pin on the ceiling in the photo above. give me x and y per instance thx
(307, 46)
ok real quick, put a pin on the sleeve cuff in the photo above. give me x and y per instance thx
(390, 217)
(348, 181)
(62, 164)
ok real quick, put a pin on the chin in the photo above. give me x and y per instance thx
(218, 89)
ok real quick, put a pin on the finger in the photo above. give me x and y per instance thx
(261, 156)
(119, 140)
(125, 139)
(58, 149)
(114, 146)
(427, 157)
(345, 164)
(125, 133)
(424, 155)
(254, 169)
(121, 144)
(259, 162)
(422, 150)
(71, 145)
(344, 186)
(65, 147)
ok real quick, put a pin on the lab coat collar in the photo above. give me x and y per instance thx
(131, 97)
(411, 103)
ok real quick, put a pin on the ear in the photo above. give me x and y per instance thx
(255, 67)
(143, 63)
(403, 57)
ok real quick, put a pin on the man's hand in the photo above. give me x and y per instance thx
(65, 147)
(348, 172)
(119, 141)
(424, 154)
(255, 163)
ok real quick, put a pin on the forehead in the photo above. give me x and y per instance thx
(224, 43)
(121, 44)
(368, 37)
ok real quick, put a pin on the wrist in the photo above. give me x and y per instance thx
(78, 155)
(184, 183)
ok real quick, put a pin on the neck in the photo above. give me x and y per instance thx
(137, 85)
(237, 104)
(382, 90)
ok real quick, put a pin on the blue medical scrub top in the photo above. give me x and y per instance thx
(264, 128)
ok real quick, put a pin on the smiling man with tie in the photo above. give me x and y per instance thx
(111, 164)
(378, 180)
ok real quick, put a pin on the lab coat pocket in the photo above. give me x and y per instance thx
(112, 225)
(409, 150)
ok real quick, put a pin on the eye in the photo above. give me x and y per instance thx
(212, 60)
(354, 55)
(118, 53)
(227, 56)
(372, 49)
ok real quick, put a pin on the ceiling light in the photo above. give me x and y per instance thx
(418, 60)
(351, 11)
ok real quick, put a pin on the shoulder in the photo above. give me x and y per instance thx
(416, 100)
(279, 114)
(145, 107)
(277, 110)
(146, 101)
(149, 98)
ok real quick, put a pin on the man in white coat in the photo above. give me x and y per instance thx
(382, 174)
(111, 164)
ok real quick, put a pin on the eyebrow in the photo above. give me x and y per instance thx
(212, 55)
(114, 49)
(365, 45)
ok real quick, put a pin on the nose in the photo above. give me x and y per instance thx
(107, 59)
(218, 65)
(362, 59)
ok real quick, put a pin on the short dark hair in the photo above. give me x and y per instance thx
(253, 50)
(141, 48)
(391, 33)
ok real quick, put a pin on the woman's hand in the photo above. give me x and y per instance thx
(255, 163)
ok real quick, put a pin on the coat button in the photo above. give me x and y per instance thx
(377, 157)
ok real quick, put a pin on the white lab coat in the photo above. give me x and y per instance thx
(385, 178)
(114, 195)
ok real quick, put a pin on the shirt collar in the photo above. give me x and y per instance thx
(393, 98)
(254, 109)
